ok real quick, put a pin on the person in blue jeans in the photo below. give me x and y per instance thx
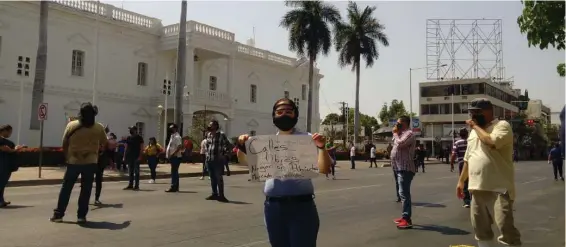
(175, 156)
(132, 157)
(291, 216)
(557, 160)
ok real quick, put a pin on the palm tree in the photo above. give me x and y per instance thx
(309, 34)
(356, 39)
(41, 66)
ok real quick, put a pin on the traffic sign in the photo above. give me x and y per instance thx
(42, 112)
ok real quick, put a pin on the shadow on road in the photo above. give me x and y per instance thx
(445, 230)
(239, 203)
(428, 205)
(145, 190)
(106, 225)
(15, 207)
(186, 192)
(104, 205)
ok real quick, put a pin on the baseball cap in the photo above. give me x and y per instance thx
(479, 104)
(173, 126)
(133, 127)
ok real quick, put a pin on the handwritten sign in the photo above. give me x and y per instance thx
(281, 157)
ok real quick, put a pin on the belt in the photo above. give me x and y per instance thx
(299, 198)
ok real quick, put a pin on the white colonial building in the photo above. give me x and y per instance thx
(237, 83)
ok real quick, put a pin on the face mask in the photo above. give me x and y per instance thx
(479, 119)
(285, 123)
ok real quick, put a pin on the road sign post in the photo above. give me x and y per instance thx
(41, 116)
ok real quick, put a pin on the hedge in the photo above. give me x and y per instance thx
(53, 157)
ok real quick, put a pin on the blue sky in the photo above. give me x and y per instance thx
(405, 22)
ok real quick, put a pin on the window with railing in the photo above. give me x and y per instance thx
(77, 63)
(142, 74)
(253, 93)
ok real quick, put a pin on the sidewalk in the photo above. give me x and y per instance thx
(28, 176)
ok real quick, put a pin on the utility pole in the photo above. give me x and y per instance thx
(181, 67)
(345, 110)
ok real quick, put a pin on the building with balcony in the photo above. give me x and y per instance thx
(436, 111)
(234, 82)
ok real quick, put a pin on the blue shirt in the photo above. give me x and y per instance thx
(555, 155)
(275, 187)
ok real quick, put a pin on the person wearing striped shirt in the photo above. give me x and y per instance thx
(458, 152)
(403, 164)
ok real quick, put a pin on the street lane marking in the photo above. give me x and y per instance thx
(350, 188)
(534, 181)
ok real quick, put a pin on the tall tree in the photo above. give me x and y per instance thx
(309, 35)
(543, 23)
(356, 39)
(41, 66)
(384, 114)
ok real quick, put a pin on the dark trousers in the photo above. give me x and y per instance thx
(557, 167)
(215, 170)
(227, 166)
(404, 179)
(372, 161)
(134, 172)
(152, 164)
(98, 181)
(120, 164)
(175, 163)
(467, 196)
(69, 179)
(353, 162)
(332, 168)
(396, 185)
(291, 223)
(5, 175)
(204, 170)
(420, 163)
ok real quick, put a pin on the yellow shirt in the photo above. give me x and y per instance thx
(84, 144)
(492, 168)
(152, 150)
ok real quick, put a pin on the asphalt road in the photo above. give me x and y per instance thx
(355, 211)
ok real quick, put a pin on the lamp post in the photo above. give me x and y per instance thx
(372, 129)
(160, 113)
(411, 89)
(226, 125)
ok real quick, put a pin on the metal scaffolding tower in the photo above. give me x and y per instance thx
(471, 48)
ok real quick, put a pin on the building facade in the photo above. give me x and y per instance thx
(537, 110)
(436, 111)
(234, 82)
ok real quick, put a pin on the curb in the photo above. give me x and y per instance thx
(38, 182)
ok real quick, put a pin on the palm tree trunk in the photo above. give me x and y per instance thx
(357, 109)
(41, 66)
(309, 100)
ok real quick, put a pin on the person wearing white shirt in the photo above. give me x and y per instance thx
(174, 154)
(203, 157)
(353, 155)
(372, 158)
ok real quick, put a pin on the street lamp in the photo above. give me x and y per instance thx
(372, 129)
(160, 112)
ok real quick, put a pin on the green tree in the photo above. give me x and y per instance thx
(200, 122)
(309, 35)
(543, 23)
(356, 40)
(394, 110)
(384, 114)
(332, 118)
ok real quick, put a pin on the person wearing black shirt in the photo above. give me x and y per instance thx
(132, 157)
(420, 155)
(7, 160)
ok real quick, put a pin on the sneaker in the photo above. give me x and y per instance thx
(208, 177)
(136, 188)
(398, 200)
(4, 204)
(56, 219)
(212, 197)
(97, 202)
(151, 181)
(398, 220)
(404, 224)
(171, 190)
(129, 187)
(333, 177)
(201, 178)
(222, 199)
(466, 206)
(81, 220)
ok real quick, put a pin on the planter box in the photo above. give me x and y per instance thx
(50, 158)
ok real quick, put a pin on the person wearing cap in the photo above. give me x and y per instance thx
(82, 140)
(291, 216)
(458, 152)
(216, 146)
(489, 169)
(132, 157)
(175, 156)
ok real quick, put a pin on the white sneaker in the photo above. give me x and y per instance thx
(333, 177)
(151, 181)
(208, 178)
(201, 178)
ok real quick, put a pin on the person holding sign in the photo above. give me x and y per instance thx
(290, 212)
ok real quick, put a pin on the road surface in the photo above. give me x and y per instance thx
(355, 211)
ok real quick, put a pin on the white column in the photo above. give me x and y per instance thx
(187, 123)
(189, 80)
(230, 76)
